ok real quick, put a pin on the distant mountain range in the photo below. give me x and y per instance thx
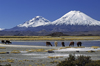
(73, 21)
(1, 29)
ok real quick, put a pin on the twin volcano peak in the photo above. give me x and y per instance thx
(70, 18)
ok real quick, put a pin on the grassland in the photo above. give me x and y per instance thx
(30, 38)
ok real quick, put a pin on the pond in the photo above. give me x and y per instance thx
(86, 43)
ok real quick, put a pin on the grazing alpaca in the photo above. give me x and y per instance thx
(63, 45)
(71, 44)
(48, 43)
(79, 44)
(7, 41)
(2, 41)
(56, 43)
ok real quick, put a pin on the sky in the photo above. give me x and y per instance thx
(15, 12)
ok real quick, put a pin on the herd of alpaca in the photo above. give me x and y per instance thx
(6, 41)
(48, 43)
(63, 44)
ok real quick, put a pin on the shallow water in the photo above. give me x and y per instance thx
(43, 43)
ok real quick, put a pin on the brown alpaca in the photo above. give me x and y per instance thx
(48, 43)
(71, 44)
(2, 41)
(63, 45)
(79, 44)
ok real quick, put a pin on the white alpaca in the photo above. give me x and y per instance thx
(56, 43)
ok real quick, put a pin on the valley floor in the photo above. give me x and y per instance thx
(23, 55)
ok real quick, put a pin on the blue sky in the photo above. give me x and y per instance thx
(15, 12)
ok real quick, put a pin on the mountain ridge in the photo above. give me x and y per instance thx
(73, 21)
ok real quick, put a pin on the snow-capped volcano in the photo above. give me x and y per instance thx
(76, 18)
(70, 18)
(35, 22)
(70, 22)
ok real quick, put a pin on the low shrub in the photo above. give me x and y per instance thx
(76, 61)
(93, 63)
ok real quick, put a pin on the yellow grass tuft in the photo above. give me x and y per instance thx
(20, 61)
(10, 60)
(80, 47)
(67, 47)
(95, 47)
(35, 50)
(30, 51)
(62, 47)
(51, 49)
(55, 57)
(3, 52)
(57, 61)
(43, 64)
(40, 50)
(30, 65)
(25, 60)
(3, 61)
(2, 47)
(90, 51)
(27, 50)
(15, 51)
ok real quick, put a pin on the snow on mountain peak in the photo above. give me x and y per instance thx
(38, 17)
(76, 18)
(70, 18)
(35, 22)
